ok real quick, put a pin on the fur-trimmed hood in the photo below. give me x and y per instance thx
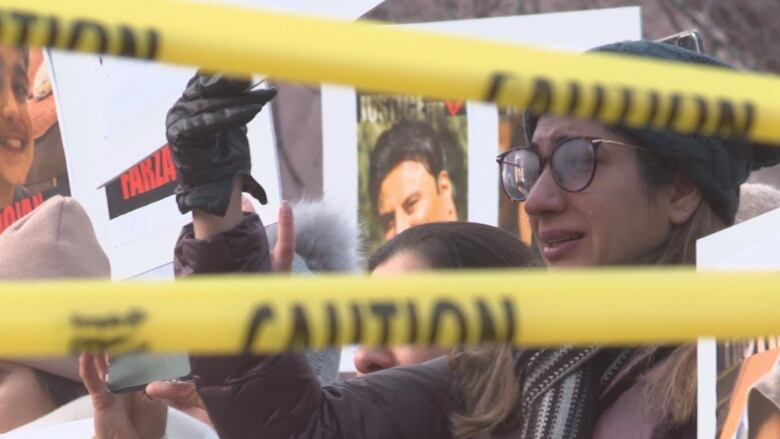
(325, 238)
(756, 199)
(325, 241)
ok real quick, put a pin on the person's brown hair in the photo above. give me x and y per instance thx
(457, 244)
(669, 390)
(487, 379)
(487, 382)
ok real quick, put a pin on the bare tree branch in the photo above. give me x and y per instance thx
(670, 15)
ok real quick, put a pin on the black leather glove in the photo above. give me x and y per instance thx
(206, 129)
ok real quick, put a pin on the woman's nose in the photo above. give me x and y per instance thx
(10, 108)
(368, 360)
(545, 197)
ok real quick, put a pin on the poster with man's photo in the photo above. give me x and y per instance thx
(412, 159)
(511, 134)
(32, 161)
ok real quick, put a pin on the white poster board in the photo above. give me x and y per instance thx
(751, 245)
(579, 30)
(112, 113)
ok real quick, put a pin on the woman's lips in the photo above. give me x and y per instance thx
(12, 144)
(557, 245)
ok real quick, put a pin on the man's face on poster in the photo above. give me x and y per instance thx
(410, 195)
(16, 142)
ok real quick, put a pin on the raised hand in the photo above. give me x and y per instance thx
(284, 250)
(181, 396)
(132, 415)
(206, 129)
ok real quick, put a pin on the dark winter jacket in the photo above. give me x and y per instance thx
(279, 396)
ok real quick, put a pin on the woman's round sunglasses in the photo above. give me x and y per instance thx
(572, 162)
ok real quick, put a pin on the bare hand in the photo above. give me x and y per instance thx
(246, 205)
(181, 396)
(130, 416)
(284, 250)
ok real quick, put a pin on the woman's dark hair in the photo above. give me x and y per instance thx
(448, 245)
(485, 376)
(669, 390)
(61, 390)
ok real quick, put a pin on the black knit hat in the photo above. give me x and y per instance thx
(717, 166)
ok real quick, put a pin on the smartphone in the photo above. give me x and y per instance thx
(134, 371)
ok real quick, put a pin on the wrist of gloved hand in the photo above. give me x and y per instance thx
(214, 198)
(206, 175)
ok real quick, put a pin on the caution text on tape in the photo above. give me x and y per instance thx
(279, 313)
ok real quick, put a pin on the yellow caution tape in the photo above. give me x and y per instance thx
(635, 92)
(279, 313)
